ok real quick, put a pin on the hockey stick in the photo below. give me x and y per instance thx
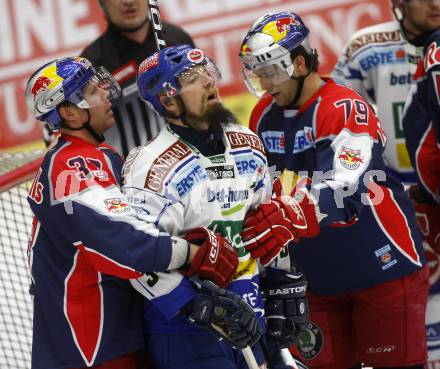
(156, 24)
(247, 351)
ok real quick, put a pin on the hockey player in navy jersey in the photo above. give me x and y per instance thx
(205, 170)
(367, 282)
(421, 125)
(86, 239)
(379, 62)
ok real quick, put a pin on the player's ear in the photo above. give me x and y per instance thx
(69, 112)
(300, 66)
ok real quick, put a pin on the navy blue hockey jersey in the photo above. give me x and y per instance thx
(85, 243)
(421, 120)
(369, 234)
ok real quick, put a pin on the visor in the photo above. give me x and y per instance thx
(259, 80)
(97, 91)
(194, 78)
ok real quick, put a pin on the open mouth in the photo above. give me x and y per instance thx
(212, 97)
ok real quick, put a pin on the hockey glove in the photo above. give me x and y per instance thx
(216, 259)
(225, 315)
(285, 305)
(274, 224)
(428, 218)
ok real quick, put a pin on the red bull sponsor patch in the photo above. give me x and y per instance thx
(116, 205)
(385, 257)
(350, 158)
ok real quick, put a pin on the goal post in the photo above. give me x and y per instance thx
(16, 173)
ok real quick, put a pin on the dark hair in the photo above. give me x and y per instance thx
(311, 59)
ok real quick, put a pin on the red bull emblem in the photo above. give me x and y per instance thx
(284, 24)
(350, 158)
(196, 55)
(116, 205)
(386, 258)
(245, 49)
(40, 84)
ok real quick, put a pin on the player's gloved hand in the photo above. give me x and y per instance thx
(274, 224)
(286, 307)
(216, 259)
(225, 315)
(428, 217)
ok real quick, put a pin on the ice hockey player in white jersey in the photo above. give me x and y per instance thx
(206, 170)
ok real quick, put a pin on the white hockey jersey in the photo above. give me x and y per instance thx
(169, 182)
(378, 62)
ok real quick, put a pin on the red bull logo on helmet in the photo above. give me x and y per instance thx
(284, 24)
(278, 29)
(40, 84)
(47, 79)
(245, 49)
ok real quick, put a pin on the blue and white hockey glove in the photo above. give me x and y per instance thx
(286, 307)
(225, 315)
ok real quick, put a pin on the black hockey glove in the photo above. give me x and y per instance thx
(225, 315)
(285, 305)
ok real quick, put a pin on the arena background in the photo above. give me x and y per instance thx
(33, 32)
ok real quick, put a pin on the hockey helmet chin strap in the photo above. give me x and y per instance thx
(301, 79)
(182, 115)
(99, 138)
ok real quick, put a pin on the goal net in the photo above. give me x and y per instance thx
(16, 174)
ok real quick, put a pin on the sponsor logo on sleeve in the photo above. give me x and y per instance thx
(371, 38)
(162, 165)
(239, 139)
(116, 205)
(349, 158)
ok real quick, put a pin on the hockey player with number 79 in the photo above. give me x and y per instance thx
(365, 267)
(205, 170)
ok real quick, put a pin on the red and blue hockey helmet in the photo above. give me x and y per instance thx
(267, 46)
(159, 74)
(64, 80)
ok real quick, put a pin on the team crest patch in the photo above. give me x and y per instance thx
(350, 158)
(310, 342)
(116, 205)
(385, 257)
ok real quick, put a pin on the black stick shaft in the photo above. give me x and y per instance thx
(156, 23)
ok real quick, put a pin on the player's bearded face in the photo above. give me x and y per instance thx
(214, 115)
